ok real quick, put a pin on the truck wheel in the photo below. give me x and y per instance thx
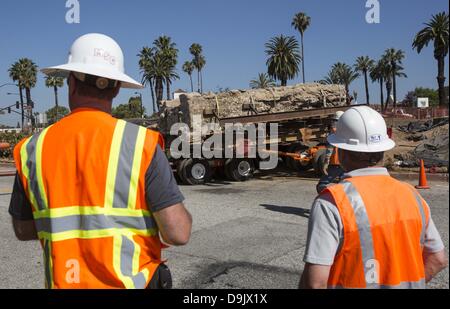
(180, 169)
(239, 169)
(197, 171)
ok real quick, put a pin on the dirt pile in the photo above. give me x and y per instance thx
(426, 141)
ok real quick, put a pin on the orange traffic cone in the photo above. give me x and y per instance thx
(423, 183)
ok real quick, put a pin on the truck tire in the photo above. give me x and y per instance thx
(239, 169)
(196, 171)
(180, 169)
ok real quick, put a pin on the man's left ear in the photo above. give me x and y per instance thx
(117, 89)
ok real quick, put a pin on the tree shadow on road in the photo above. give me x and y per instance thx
(288, 210)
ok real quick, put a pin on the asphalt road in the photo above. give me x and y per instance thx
(245, 235)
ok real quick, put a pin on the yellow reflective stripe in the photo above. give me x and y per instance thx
(146, 274)
(96, 210)
(113, 163)
(40, 180)
(92, 234)
(26, 172)
(136, 255)
(50, 264)
(136, 168)
(117, 248)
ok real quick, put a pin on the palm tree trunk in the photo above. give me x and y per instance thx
(30, 111)
(21, 104)
(347, 93)
(367, 88)
(441, 82)
(382, 94)
(56, 103)
(389, 91)
(201, 82)
(198, 80)
(303, 59)
(394, 87)
(159, 91)
(192, 84)
(153, 95)
(168, 88)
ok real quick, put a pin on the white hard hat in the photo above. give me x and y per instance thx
(361, 129)
(338, 115)
(98, 55)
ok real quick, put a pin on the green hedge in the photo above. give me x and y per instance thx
(13, 139)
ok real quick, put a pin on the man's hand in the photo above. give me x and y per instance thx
(175, 224)
(315, 277)
(25, 230)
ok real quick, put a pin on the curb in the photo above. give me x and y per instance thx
(415, 176)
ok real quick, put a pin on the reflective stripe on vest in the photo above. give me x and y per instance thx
(118, 217)
(366, 238)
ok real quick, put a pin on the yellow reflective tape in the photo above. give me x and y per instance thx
(92, 234)
(117, 248)
(136, 255)
(40, 180)
(113, 163)
(26, 172)
(146, 274)
(87, 211)
(50, 262)
(136, 168)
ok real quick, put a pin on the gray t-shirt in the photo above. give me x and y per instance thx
(325, 229)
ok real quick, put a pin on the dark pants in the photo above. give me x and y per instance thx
(162, 279)
(335, 173)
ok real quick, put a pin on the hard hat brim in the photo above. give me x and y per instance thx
(383, 146)
(97, 70)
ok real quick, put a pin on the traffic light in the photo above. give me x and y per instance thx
(17, 105)
(9, 110)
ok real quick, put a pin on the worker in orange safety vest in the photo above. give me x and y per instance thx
(370, 230)
(331, 170)
(98, 192)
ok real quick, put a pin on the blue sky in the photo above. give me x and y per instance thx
(232, 33)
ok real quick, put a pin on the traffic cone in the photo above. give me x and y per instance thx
(423, 183)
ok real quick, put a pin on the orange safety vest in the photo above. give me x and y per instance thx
(334, 160)
(85, 180)
(383, 234)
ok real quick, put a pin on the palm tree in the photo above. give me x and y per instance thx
(378, 74)
(55, 82)
(188, 68)
(145, 63)
(263, 81)
(15, 73)
(394, 59)
(301, 23)
(437, 31)
(25, 70)
(196, 51)
(284, 58)
(168, 50)
(342, 74)
(365, 65)
(200, 63)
